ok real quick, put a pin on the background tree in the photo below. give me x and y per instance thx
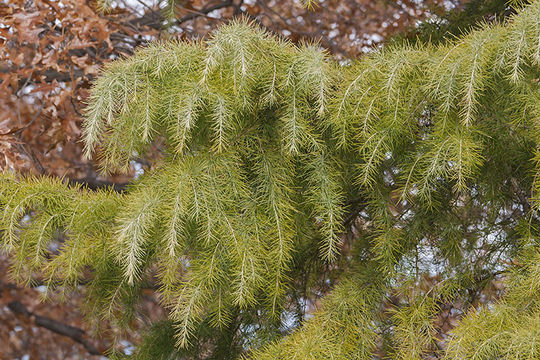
(305, 93)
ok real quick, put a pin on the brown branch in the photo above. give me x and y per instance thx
(95, 184)
(21, 129)
(55, 326)
(203, 12)
(521, 196)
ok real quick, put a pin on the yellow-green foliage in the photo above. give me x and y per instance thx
(269, 147)
(343, 328)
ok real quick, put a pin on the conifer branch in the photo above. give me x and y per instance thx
(265, 141)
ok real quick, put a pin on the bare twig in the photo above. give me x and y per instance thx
(55, 326)
(203, 12)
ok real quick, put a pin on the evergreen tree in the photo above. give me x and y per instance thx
(289, 179)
